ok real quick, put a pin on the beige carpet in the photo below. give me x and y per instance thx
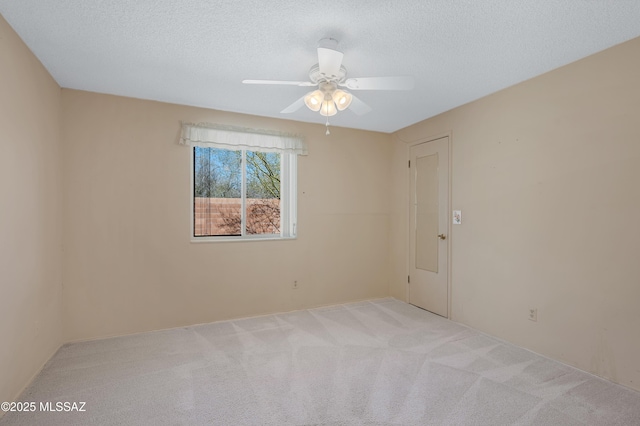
(381, 362)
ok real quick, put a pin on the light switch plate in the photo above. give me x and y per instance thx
(457, 217)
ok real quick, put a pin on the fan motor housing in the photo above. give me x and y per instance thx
(317, 77)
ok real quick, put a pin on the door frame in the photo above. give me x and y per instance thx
(448, 213)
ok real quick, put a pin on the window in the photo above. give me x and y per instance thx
(243, 182)
(242, 194)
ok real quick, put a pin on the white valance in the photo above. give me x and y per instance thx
(230, 137)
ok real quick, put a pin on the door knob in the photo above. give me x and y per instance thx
(442, 237)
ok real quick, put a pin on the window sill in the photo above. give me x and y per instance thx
(199, 240)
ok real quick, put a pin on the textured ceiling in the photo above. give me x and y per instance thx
(197, 52)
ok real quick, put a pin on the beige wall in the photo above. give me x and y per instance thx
(546, 174)
(129, 264)
(30, 222)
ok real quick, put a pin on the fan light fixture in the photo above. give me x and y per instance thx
(313, 100)
(328, 100)
(342, 99)
(328, 108)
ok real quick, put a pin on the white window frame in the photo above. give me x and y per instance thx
(288, 199)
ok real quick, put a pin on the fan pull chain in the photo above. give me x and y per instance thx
(328, 132)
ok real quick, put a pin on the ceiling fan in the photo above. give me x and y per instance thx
(329, 76)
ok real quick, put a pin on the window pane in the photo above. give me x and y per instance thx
(263, 193)
(217, 191)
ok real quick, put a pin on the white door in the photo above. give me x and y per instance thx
(429, 213)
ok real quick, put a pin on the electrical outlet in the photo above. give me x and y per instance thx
(533, 314)
(294, 285)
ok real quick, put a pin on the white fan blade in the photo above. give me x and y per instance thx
(358, 107)
(288, 83)
(329, 62)
(294, 106)
(379, 83)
